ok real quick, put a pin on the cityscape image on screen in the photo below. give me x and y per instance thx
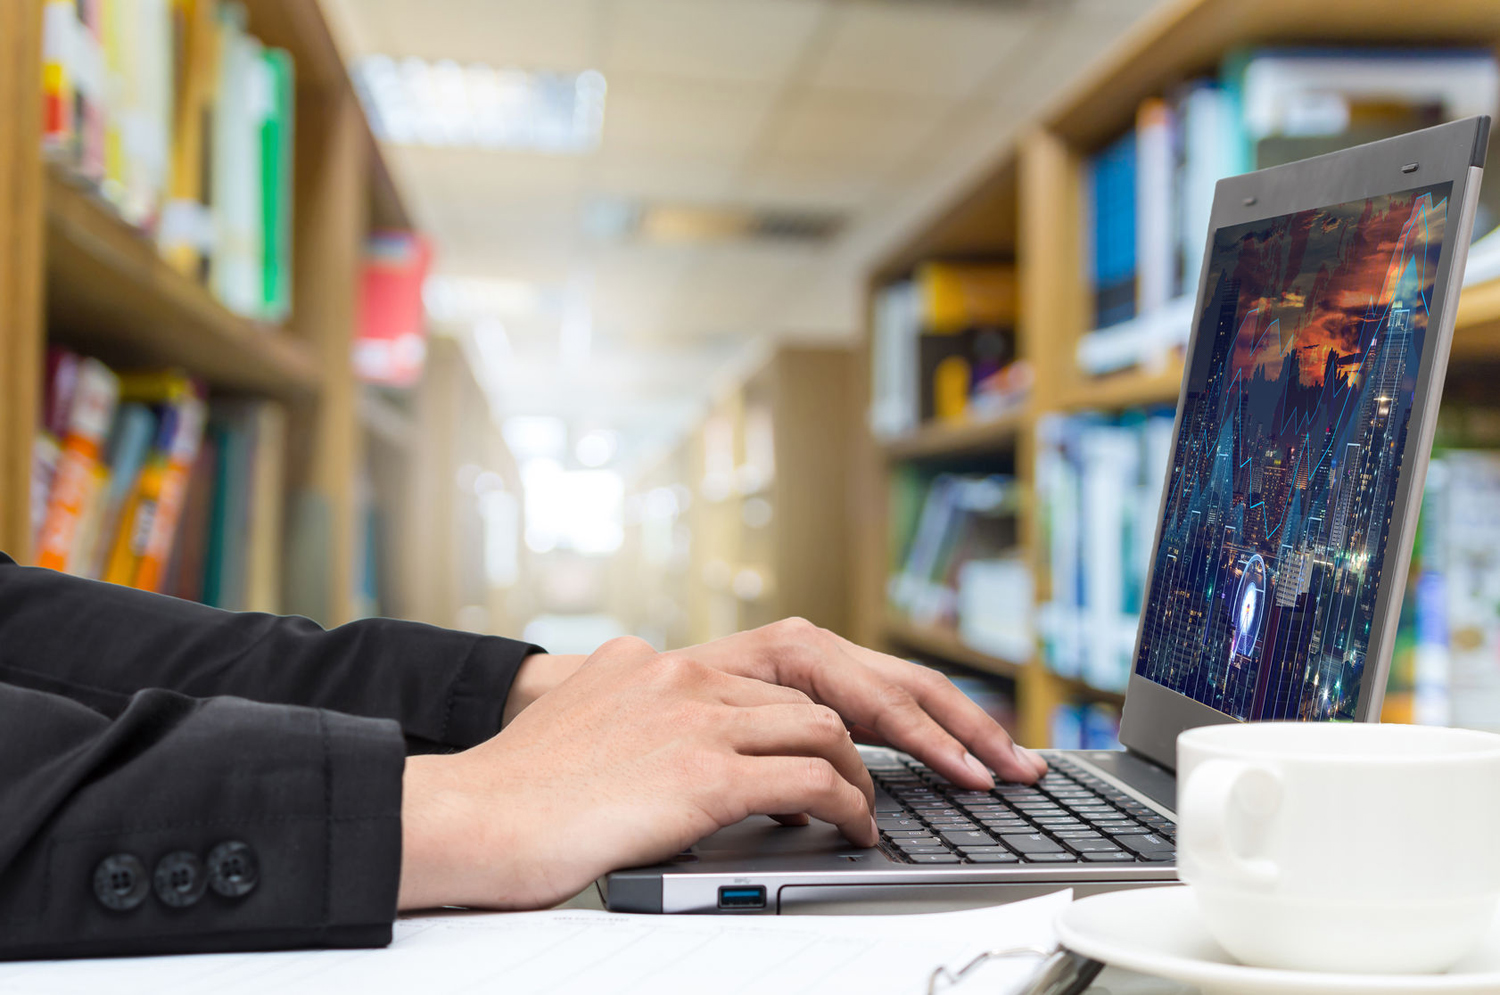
(1284, 475)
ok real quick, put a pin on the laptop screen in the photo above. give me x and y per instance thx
(1288, 452)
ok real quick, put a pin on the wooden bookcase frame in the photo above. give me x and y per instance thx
(72, 272)
(1026, 208)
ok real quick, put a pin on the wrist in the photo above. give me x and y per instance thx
(539, 673)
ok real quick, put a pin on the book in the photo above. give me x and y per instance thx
(1111, 191)
(963, 518)
(276, 170)
(943, 347)
(130, 440)
(1299, 102)
(186, 232)
(1144, 253)
(77, 483)
(183, 122)
(1099, 486)
(391, 343)
(1158, 268)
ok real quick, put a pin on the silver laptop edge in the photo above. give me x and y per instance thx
(817, 871)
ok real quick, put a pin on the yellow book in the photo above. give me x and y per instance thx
(956, 296)
(185, 217)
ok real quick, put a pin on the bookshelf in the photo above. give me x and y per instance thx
(743, 522)
(1027, 207)
(72, 273)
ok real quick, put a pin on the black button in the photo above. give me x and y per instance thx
(179, 879)
(232, 869)
(120, 882)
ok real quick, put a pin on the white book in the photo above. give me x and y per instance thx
(1111, 467)
(1206, 155)
(1311, 93)
(1155, 225)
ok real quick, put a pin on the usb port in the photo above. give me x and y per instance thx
(736, 897)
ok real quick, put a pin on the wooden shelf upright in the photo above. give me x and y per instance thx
(71, 272)
(1025, 208)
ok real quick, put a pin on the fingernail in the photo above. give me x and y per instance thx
(972, 762)
(874, 830)
(1033, 758)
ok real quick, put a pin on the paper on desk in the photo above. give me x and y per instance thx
(586, 952)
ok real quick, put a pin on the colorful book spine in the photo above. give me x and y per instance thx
(76, 482)
(59, 24)
(1113, 215)
(176, 467)
(276, 186)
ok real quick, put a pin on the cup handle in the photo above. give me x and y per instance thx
(1203, 818)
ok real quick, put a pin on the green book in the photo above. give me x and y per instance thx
(276, 136)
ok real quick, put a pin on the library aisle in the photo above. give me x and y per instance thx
(567, 319)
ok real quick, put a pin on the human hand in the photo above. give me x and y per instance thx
(633, 758)
(886, 700)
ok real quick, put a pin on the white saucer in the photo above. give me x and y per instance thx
(1158, 931)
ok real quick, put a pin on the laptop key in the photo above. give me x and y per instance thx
(1109, 857)
(968, 837)
(897, 834)
(919, 851)
(935, 858)
(897, 824)
(992, 856)
(1061, 857)
(1092, 846)
(1031, 843)
(912, 842)
(1145, 843)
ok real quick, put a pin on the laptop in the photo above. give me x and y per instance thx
(1324, 317)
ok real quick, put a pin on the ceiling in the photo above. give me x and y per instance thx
(879, 110)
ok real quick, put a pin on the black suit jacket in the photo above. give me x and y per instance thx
(179, 778)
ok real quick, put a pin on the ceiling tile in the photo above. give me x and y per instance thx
(746, 40)
(863, 131)
(638, 174)
(916, 48)
(665, 114)
(531, 34)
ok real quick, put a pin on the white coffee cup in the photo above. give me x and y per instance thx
(1352, 847)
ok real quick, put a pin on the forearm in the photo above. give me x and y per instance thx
(100, 643)
(186, 826)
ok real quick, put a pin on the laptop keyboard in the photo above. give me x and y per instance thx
(1068, 817)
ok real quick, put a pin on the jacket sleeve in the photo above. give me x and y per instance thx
(182, 824)
(99, 644)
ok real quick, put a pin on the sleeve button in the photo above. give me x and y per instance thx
(120, 882)
(179, 879)
(233, 870)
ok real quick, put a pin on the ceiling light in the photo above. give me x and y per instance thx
(447, 105)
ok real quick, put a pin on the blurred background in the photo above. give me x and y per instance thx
(563, 319)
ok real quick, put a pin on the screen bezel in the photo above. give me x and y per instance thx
(1154, 714)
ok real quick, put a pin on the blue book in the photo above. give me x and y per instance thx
(1114, 232)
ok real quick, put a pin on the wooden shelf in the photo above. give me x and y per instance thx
(1126, 390)
(944, 643)
(939, 439)
(110, 294)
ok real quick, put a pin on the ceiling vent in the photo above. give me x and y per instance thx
(693, 224)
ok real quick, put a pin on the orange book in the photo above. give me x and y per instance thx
(169, 476)
(76, 479)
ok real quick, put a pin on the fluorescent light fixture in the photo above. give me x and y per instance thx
(536, 437)
(595, 449)
(447, 105)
